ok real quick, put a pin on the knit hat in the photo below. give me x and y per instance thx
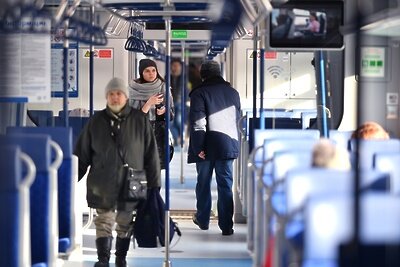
(145, 63)
(117, 84)
(210, 68)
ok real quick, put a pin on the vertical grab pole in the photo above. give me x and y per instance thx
(325, 132)
(167, 262)
(262, 61)
(253, 124)
(91, 64)
(183, 101)
(65, 74)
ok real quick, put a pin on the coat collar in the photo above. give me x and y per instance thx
(210, 81)
(122, 115)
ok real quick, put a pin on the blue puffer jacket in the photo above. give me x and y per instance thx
(214, 112)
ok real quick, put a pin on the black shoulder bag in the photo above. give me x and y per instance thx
(134, 181)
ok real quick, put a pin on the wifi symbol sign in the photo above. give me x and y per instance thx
(275, 71)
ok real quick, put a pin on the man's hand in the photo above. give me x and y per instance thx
(202, 155)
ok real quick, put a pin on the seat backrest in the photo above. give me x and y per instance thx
(341, 138)
(63, 137)
(272, 146)
(368, 148)
(389, 162)
(330, 222)
(41, 118)
(300, 184)
(260, 137)
(42, 217)
(286, 160)
(76, 123)
(12, 215)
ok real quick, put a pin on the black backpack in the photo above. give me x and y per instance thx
(149, 226)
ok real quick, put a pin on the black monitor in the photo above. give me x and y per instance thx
(306, 25)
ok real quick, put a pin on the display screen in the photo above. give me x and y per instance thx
(306, 25)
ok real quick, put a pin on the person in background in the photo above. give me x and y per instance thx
(213, 145)
(147, 93)
(194, 76)
(370, 130)
(326, 154)
(176, 86)
(314, 24)
(97, 148)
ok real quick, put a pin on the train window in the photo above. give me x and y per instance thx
(306, 25)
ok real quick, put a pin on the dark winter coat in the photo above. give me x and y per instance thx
(214, 112)
(97, 148)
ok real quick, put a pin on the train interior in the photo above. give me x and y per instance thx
(297, 86)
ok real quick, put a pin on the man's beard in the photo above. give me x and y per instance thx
(116, 108)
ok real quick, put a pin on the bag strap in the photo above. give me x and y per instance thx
(116, 136)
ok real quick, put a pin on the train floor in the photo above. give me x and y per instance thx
(195, 248)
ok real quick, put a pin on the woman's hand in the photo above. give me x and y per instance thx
(152, 101)
(160, 111)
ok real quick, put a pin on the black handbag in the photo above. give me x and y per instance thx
(135, 184)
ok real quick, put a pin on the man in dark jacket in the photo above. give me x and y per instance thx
(214, 112)
(98, 148)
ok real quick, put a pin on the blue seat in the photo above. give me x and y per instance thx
(302, 184)
(272, 146)
(43, 196)
(260, 137)
(41, 118)
(389, 162)
(76, 123)
(14, 194)
(66, 216)
(341, 138)
(368, 148)
(330, 222)
(263, 179)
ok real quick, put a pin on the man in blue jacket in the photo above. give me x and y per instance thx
(214, 112)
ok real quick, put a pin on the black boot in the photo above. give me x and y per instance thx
(121, 248)
(103, 245)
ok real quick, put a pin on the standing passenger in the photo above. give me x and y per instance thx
(214, 112)
(97, 147)
(147, 93)
(176, 85)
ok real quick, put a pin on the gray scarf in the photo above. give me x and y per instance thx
(139, 93)
(143, 91)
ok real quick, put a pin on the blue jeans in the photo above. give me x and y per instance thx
(223, 172)
(176, 123)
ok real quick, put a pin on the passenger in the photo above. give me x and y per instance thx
(148, 94)
(194, 76)
(214, 112)
(176, 86)
(97, 147)
(370, 130)
(314, 24)
(326, 154)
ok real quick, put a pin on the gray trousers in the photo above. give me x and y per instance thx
(106, 219)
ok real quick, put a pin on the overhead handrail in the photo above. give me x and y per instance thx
(259, 12)
(85, 33)
(116, 27)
